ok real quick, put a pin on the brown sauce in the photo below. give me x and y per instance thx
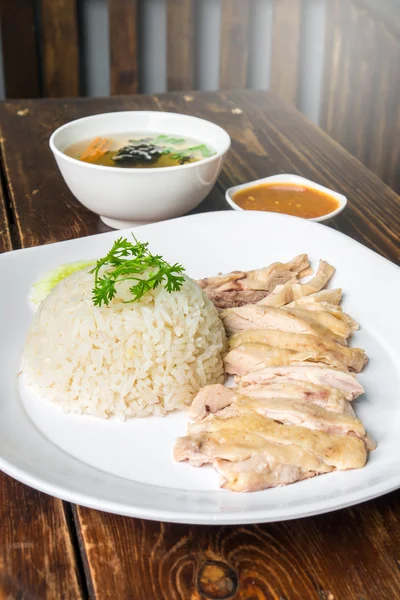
(286, 198)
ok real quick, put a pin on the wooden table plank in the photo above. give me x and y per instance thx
(19, 49)
(180, 45)
(60, 48)
(349, 554)
(37, 556)
(5, 231)
(123, 19)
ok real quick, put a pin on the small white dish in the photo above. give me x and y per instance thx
(129, 197)
(287, 178)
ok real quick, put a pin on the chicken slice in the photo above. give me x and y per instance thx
(210, 399)
(254, 357)
(352, 358)
(283, 294)
(327, 397)
(241, 287)
(318, 374)
(338, 451)
(338, 326)
(332, 296)
(262, 471)
(255, 316)
(290, 411)
(327, 307)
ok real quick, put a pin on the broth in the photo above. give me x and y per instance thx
(140, 150)
(286, 198)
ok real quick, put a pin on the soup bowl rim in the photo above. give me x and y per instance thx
(61, 154)
(290, 178)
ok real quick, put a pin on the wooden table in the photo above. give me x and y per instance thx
(52, 549)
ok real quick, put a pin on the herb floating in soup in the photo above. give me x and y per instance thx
(140, 151)
(133, 262)
(286, 198)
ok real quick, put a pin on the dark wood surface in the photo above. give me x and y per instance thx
(19, 49)
(48, 546)
(360, 104)
(180, 45)
(123, 24)
(59, 48)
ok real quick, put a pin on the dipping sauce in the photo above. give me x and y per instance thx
(287, 198)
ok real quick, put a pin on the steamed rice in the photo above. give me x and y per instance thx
(142, 358)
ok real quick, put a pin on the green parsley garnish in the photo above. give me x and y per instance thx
(127, 261)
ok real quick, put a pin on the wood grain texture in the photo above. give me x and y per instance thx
(235, 19)
(37, 558)
(350, 554)
(123, 22)
(19, 49)
(361, 107)
(285, 49)
(180, 45)
(5, 229)
(60, 48)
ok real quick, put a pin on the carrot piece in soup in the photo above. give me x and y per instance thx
(96, 149)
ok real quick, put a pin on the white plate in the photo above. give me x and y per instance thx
(127, 468)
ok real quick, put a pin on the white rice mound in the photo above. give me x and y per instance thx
(136, 359)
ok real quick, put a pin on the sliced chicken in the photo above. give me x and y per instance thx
(332, 296)
(318, 374)
(290, 411)
(255, 316)
(331, 309)
(210, 399)
(262, 471)
(352, 358)
(283, 294)
(327, 397)
(241, 287)
(338, 451)
(338, 326)
(254, 357)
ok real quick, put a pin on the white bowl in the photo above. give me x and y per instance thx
(128, 197)
(287, 178)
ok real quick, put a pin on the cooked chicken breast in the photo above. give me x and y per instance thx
(241, 287)
(283, 294)
(252, 357)
(327, 397)
(238, 432)
(290, 411)
(255, 316)
(339, 326)
(312, 373)
(333, 296)
(327, 307)
(289, 417)
(263, 470)
(353, 358)
(210, 399)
